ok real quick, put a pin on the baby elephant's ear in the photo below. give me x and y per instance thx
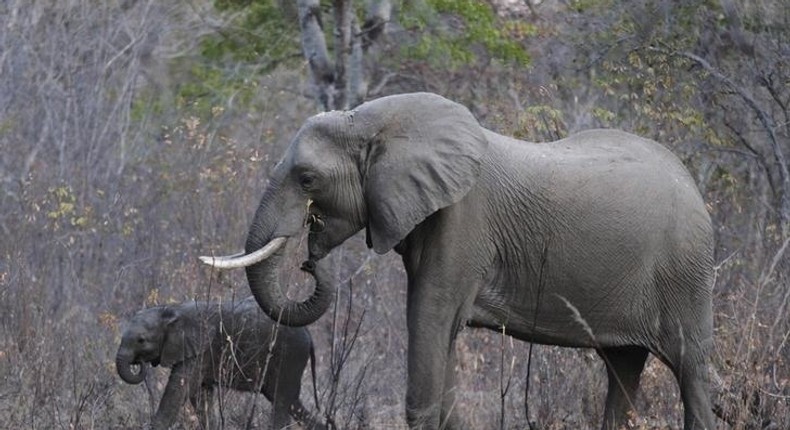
(183, 334)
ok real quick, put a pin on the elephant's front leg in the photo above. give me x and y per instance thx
(183, 380)
(450, 417)
(435, 315)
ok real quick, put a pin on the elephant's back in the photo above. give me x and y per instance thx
(611, 166)
(252, 332)
(615, 153)
(249, 314)
(636, 172)
(603, 188)
(607, 146)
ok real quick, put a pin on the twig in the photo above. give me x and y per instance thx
(543, 258)
(504, 388)
(718, 267)
(341, 351)
(766, 276)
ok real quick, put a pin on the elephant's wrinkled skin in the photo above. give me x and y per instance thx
(210, 344)
(610, 223)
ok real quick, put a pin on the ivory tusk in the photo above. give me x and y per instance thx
(227, 257)
(236, 261)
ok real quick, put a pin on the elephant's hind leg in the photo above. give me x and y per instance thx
(690, 367)
(694, 382)
(697, 407)
(623, 367)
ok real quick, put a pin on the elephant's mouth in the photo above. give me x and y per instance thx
(136, 368)
(140, 361)
(314, 220)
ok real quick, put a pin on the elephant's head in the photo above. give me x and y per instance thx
(384, 166)
(160, 335)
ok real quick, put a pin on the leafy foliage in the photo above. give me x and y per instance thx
(257, 32)
(450, 33)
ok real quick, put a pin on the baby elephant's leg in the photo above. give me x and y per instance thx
(180, 386)
(309, 420)
(282, 388)
(277, 391)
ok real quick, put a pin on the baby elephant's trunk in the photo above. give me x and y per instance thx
(124, 367)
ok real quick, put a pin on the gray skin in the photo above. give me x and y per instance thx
(599, 240)
(191, 338)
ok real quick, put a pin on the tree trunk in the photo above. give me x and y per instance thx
(315, 52)
(343, 13)
(342, 84)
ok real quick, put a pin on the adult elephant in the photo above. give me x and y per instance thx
(599, 240)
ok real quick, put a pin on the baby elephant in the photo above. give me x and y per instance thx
(209, 344)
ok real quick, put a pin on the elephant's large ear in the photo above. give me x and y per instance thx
(186, 334)
(423, 156)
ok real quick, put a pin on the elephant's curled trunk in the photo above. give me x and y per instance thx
(266, 288)
(123, 366)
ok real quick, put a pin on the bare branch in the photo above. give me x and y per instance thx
(768, 274)
(377, 16)
(382, 83)
(767, 123)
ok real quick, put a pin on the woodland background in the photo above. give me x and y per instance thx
(136, 135)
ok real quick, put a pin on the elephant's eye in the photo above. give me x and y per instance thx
(141, 340)
(306, 180)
